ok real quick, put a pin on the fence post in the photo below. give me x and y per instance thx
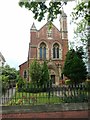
(49, 85)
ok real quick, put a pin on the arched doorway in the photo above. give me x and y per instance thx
(54, 75)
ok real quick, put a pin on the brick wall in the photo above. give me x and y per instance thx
(40, 36)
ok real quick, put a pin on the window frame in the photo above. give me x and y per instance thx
(25, 74)
(56, 51)
(42, 51)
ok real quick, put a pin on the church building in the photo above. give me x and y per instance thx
(50, 45)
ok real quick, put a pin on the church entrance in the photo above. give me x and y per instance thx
(53, 79)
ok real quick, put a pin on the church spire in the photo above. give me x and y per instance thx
(63, 14)
(63, 25)
(33, 28)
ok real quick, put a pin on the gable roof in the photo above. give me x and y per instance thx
(2, 57)
(46, 24)
(23, 63)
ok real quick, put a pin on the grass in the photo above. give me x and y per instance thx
(34, 99)
(23, 98)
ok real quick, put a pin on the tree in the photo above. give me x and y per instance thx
(80, 31)
(11, 73)
(45, 74)
(35, 72)
(74, 67)
(40, 8)
(8, 77)
(39, 73)
(83, 10)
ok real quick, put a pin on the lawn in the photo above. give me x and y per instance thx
(53, 97)
(34, 99)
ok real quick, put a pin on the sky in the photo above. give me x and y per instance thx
(15, 24)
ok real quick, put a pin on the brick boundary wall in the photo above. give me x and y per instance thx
(70, 115)
(65, 110)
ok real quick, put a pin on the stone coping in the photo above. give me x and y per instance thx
(44, 108)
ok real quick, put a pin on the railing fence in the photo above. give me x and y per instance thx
(45, 94)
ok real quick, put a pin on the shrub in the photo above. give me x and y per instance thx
(34, 88)
(20, 82)
(31, 88)
(68, 82)
(4, 87)
(87, 83)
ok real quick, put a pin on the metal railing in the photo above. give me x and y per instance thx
(45, 94)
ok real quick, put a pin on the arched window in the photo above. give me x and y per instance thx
(25, 74)
(55, 50)
(42, 51)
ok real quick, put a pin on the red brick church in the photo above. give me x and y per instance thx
(50, 45)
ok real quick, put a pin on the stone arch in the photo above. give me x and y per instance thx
(57, 43)
(53, 72)
(60, 50)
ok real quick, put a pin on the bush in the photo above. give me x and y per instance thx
(87, 83)
(68, 82)
(4, 87)
(31, 88)
(20, 82)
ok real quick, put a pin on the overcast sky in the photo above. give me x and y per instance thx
(15, 24)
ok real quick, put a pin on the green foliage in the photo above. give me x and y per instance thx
(87, 83)
(74, 67)
(44, 74)
(33, 99)
(35, 72)
(34, 88)
(40, 9)
(68, 82)
(39, 73)
(82, 10)
(4, 83)
(80, 33)
(10, 72)
(39, 79)
(76, 99)
(8, 76)
(20, 82)
(24, 86)
(62, 94)
(81, 16)
(78, 17)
